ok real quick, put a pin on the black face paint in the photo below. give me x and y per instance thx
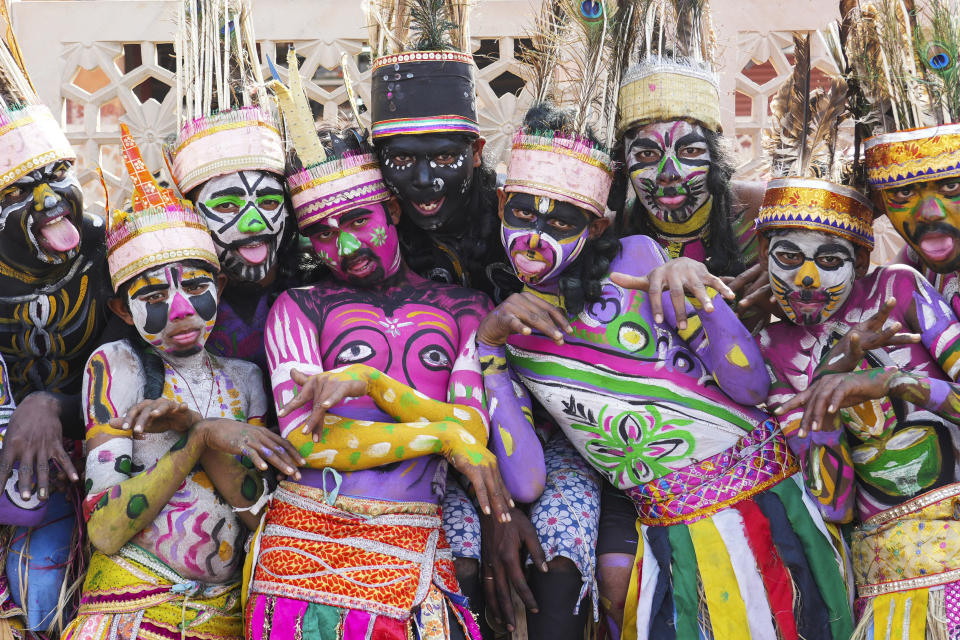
(205, 304)
(560, 219)
(431, 175)
(41, 204)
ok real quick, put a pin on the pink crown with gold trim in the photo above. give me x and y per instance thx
(563, 167)
(161, 229)
(30, 137)
(335, 186)
(242, 139)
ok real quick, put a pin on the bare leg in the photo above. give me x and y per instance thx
(613, 574)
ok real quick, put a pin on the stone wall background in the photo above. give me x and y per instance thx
(101, 62)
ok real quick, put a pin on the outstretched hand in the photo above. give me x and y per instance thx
(523, 313)
(682, 277)
(259, 444)
(848, 352)
(832, 392)
(157, 416)
(503, 554)
(32, 439)
(323, 391)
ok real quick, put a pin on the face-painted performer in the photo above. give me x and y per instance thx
(912, 160)
(662, 410)
(229, 159)
(174, 434)
(376, 376)
(52, 286)
(425, 130)
(886, 452)
(669, 132)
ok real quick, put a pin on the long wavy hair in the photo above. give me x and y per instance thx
(724, 257)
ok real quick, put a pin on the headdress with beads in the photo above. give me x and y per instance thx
(904, 59)
(30, 136)
(574, 45)
(332, 177)
(808, 193)
(224, 111)
(423, 73)
(160, 228)
(669, 73)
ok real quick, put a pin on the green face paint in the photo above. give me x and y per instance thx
(379, 237)
(251, 222)
(347, 243)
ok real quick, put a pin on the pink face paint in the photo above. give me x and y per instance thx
(359, 246)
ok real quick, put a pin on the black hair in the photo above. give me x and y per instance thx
(582, 281)
(724, 257)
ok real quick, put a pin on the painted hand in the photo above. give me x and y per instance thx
(754, 293)
(503, 545)
(326, 390)
(33, 438)
(522, 313)
(848, 352)
(832, 392)
(259, 444)
(479, 465)
(157, 416)
(682, 277)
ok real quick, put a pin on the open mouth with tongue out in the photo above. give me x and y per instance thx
(55, 232)
(938, 246)
(254, 251)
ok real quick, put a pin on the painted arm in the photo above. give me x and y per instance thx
(424, 426)
(824, 455)
(512, 436)
(236, 479)
(7, 404)
(934, 320)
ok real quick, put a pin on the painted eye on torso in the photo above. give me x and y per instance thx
(354, 352)
(435, 357)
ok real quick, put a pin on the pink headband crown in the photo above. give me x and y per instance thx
(242, 139)
(334, 186)
(160, 229)
(564, 167)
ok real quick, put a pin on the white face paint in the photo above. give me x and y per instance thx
(174, 307)
(668, 163)
(811, 274)
(246, 212)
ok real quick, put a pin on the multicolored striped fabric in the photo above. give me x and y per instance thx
(759, 564)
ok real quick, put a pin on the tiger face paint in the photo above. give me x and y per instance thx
(542, 236)
(174, 307)
(811, 274)
(668, 164)
(246, 212)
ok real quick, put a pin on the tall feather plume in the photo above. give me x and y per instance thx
(542, 58)
(591, 32)
(219, 67)
(431, 25)
(937, 43)
(803, 140)
(16, 88)
(621, 48)
(388, 25)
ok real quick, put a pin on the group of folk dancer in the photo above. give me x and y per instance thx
(349, 383)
